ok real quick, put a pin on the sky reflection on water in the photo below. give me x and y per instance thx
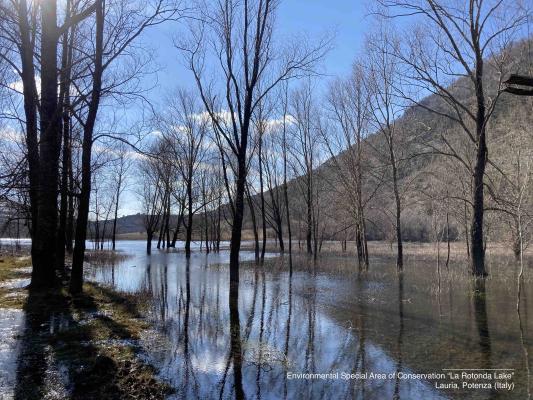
(207, 342)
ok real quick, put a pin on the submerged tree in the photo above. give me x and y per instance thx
(383, 75)
(240, 37)
(349, 109)
(184, 127)
(306, 155)
(121, 167)
(462, 40)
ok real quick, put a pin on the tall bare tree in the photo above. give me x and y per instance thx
(467, 40)
(121, 167)
(184, 128)
(305, 151)
(385, 108)
(240, 37)
(349, 105)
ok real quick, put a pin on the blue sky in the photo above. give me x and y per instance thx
(313, 18)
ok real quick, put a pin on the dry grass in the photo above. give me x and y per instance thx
(13, 269)
(105, 257)
(97, 343)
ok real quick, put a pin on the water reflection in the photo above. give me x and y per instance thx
(235, 342)
(399, 343)
(480, 312)
(319, 319)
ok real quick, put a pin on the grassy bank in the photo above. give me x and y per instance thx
(85, 347)
(14, 273)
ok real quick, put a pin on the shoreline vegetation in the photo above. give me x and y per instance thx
(375, 247)
(91, 340)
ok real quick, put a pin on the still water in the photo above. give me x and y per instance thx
(377, 328)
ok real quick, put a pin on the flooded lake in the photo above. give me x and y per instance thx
(328, 331)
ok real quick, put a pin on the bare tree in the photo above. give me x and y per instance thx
(121, 167)
(512, 190)
(454, 40)
(349, 105)
(240, 36)
(184, 128)
(385, 108)
(151, 195)
(305, 151)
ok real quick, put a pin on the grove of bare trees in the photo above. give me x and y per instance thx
(263, 146)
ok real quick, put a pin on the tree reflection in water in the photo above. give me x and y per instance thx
(235, 343)
(399, 357)
(311, 321)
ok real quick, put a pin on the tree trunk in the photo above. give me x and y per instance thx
(399, 258)
(66, 62)
(206, 229)
(117, 203)
(69, 235)
(177, 231)
(76, 281)
(219, 218)
(309, 231)
(361, 227)
(188, 234)
(160, 235)
(478, 251)
(467, 233)
(167, 222)
(286, 194)
(188, 227)
(43, 273)
(149, 237)
(235, 336)
(262, 194)
(30, 112)
(254, 223)
(63, 210)
(236, 229)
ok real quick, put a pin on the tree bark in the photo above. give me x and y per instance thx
(188, 227)
(43, 273)
(117, 203)
(30, 112)
(66, 62)
(254, 224)
(398, 208)
(76, 281)
(236, 229)
(261, 186)
(149, 237)
(476, 230)
(309, 230)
